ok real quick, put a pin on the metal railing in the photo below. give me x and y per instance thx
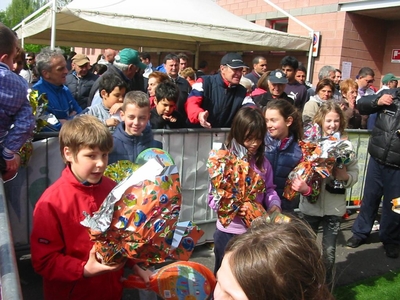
(9, 282)
(188, 147)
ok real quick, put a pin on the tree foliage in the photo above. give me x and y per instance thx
(18, 10)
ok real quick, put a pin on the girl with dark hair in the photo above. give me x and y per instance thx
(248, 129)
(284, 130)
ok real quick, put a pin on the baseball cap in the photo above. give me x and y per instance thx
(233, 60)
(80, 59)
(277, 76)
(389, 77)
(128, 56)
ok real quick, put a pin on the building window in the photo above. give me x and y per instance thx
(280, 25)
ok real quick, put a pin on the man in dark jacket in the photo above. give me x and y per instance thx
(215, 99)
(383, 172)
(126, 66)
(81, 79)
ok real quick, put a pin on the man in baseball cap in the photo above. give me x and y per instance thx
(215, 99)
(274, 84)
(126, 65)
(390, 80)
(80, 80)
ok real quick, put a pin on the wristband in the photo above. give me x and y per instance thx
(308, 193)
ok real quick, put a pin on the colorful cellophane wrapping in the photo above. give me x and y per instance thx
(254, 210)
(25, 153)
(184, 280)
(396, 205)
(143, 223)
(233, 183)
(312, 169)
(150, 153)
(121, 169)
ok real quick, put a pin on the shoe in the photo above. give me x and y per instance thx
(354, 242)
(392, 250)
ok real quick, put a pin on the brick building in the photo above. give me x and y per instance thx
(362, 33)
(356, 33)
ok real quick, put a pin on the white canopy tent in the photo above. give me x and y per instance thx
(191, 25)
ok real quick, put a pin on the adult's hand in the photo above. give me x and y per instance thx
(385, 99)
(203, 116)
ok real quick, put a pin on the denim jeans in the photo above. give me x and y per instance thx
(380, 181)
(221, 239)
(330, 229)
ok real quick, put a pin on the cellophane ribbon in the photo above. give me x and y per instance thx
(317, 162)
(139, 219)
(234, 183)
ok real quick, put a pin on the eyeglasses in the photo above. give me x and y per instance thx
(29, 59)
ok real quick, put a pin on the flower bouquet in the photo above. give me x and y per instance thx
(234, 183)
(139, 219)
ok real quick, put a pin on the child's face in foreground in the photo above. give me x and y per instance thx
(89, 164)
(277, 126)
(165, 107)
(116, 96)
(252, 145)
(331, 123)
(227, 286)
(135, 118)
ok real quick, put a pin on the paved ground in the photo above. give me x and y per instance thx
(352, 264)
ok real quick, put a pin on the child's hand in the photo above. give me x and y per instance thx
(169, 118)
(115, 108)
(242, 211)
(340, 173)
(274, 208)
(112, 122)
(299, 185)
(94, 268)
(145, 274)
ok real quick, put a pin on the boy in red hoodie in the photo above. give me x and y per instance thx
(61, 249)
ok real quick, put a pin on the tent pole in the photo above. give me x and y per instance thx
(310, 30)
(22, 35)
(196, 57)
(53, 25)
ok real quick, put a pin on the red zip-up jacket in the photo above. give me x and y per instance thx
(60, 245)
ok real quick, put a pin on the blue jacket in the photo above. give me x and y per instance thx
(128, 147)
(61, 103)
(221, 101)
(282, 161)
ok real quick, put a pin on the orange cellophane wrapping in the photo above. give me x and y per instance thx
(234, 182)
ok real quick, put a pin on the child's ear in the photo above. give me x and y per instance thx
(289, 121)
(122, 115)
(69, 157)
(103, 93)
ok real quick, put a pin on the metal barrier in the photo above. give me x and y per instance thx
(10, 288)
(188, 147)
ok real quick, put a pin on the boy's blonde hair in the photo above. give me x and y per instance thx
(84, 132)
(138, 98)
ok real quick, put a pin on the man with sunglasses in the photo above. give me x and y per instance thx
(215, 99)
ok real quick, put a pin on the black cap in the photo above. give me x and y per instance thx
(277, 76)
(233, 60)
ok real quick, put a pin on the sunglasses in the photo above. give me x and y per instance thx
(29, 59)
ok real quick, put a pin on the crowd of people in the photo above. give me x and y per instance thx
(122, 97)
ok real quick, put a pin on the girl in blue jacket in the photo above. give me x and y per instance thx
(284, 130)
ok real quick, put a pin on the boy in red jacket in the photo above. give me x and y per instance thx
(61, 248)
